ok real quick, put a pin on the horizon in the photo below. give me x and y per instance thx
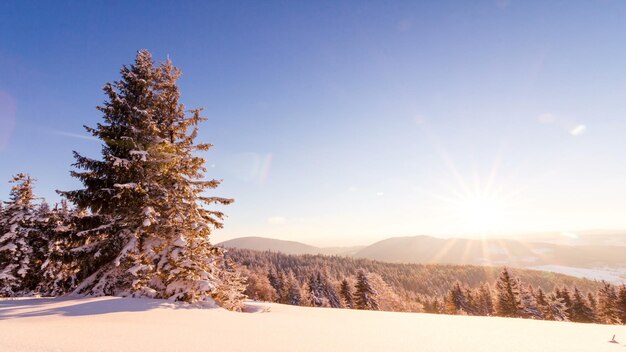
(569, 235)
(352, 122)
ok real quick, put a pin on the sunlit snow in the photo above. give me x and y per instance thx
(125, 324)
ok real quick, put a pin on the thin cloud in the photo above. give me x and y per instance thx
(276, 220)
(546, 118)
(578, 130)
(73, 135)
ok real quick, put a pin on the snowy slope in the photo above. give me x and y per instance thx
(119, 324)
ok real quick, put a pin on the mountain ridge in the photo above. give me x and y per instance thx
(598, 261)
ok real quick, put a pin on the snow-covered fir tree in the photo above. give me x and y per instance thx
(364, 295)
(229, 293)
(60, 269)
(457, 302)
(321, 293)
(150, 230)
(556, 309)
(608, 310)
(593, 304)
(21, 241)
(294, 296)
(621, 303)
(346, 294)
(485, 301)
(542, 303)
(314, 291)
(581, 311)
(566, 297)
(277, 281)
(529, 307)
(508, 295)
(329, 292)
(258, 286)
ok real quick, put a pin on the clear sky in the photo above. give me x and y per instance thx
(339, 122)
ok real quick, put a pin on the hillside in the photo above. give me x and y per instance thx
(122, 324)
(287, 247)
(270, 244)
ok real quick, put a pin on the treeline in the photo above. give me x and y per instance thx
(511, 297)
(140, 226)
(336, 282)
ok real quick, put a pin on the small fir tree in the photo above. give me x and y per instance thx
(60, 269)
(608, 311)
(556, 309)
(542, 304)
(294, 296)
(530, 307)
(346, 294)
(229, 293)
(321, 293)
(621, 303)
(21, 241)
(593, 304)
(565, 295)
(277, 281)
(456, 301)
(365, 295)
(581, 311)
(508, 295)
(329, 292)
(485, 300)
(314, 291)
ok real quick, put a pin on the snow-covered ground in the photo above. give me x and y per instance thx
(614, 275)
(122, 324)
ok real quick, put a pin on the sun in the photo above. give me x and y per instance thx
(481, 213)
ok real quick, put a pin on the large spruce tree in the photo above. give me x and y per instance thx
(149, 232)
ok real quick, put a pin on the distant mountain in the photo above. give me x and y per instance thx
(286, 247)
(426, 249)
(269, 244)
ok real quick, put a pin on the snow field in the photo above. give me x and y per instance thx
(126, 324)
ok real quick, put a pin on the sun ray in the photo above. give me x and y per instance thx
(469, 244)
(436, 258)
(486, 256)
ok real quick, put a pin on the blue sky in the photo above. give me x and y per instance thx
(346, 122)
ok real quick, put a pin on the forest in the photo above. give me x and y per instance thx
(344, 282)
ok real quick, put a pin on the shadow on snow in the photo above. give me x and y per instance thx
(72, 306)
